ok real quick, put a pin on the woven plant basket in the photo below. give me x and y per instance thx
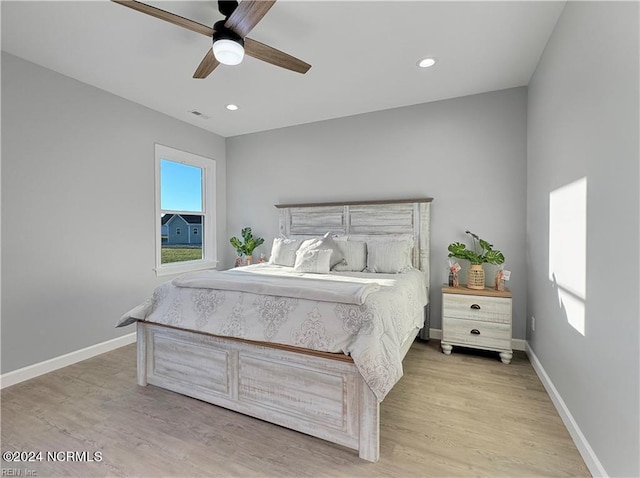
(475, 277)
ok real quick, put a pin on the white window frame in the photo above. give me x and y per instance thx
(208, 166)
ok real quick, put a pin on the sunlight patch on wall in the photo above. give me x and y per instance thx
(568, 249)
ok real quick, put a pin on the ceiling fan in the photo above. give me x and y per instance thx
(230, 42)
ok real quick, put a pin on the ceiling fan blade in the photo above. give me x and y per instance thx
(207, 65)
(167, 16)
(247, 15)
(275, 57)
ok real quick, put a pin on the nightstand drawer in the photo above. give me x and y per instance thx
(473, 307)
(477, 334)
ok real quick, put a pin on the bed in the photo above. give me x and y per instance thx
(313, 352)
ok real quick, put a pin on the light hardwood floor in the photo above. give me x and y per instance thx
(466, 414)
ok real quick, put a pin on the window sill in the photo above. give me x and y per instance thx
(182, 267)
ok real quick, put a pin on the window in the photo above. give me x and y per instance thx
(185, 211)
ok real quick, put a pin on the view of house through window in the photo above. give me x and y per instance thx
(181, 211)
(185, 206)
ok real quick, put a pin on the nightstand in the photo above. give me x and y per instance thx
(479, 319)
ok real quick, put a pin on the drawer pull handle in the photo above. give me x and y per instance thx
(475, 331)
(475, 306)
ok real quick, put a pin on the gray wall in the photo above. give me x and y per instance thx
(469, 154)
(77, 168)
(583, 122)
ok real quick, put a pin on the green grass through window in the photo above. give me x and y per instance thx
(181, 254)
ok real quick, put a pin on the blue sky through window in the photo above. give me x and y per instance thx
(180, 187)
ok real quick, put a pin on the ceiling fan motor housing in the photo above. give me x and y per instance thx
(220, 32)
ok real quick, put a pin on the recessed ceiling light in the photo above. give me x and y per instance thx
(426, 62)
(232, 107)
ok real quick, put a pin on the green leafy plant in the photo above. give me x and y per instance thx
(482, 251)
(248, 243)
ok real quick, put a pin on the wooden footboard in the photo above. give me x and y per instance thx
(313, 394)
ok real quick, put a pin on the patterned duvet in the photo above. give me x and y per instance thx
(371, 333)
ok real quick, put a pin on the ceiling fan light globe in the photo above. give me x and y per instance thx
(228, 52)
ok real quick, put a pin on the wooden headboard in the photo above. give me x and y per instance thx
(404, 216)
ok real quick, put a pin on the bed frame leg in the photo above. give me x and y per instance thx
(369, 448)
(142, 353)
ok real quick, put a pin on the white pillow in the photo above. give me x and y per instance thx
(315, 261)
(355, 256)
(325, 242)
(308, 244)
(388, 257)
(283, 251)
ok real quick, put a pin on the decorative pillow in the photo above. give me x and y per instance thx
(309, 243)
(323, 243)
(390, 257)
(315, 261)
(327, 242)
(283, 251)
(355, 256)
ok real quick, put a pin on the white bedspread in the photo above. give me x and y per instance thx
(280, 282)
(372, 332)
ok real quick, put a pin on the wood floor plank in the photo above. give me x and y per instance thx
(466, 414)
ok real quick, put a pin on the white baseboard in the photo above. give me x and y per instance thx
(435, 334)
(35, 370)
(519, 344)
(588, 455)
(516, 344)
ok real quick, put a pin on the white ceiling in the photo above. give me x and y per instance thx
(363, 55)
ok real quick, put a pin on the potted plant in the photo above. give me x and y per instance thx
(482, 252)
(247, 245)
